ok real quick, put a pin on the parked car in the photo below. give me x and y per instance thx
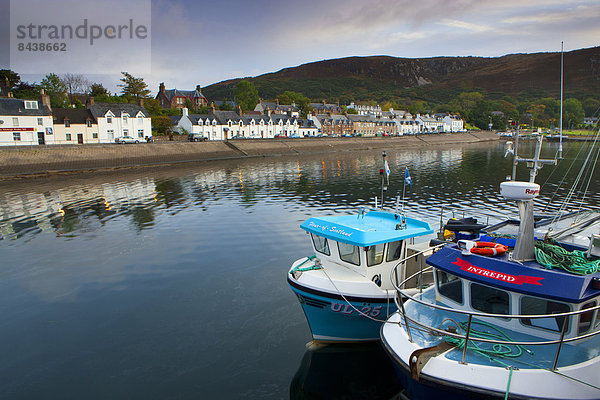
(126, 139)
(197, 137)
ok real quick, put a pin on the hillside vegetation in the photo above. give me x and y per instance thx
(520, 81)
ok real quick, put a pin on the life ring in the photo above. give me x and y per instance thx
(489, 249)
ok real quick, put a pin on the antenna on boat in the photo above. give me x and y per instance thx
(560, 147)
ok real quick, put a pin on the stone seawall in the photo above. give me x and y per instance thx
(25, 161)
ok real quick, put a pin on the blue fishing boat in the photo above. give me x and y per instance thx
(506, 317)
(345, 288)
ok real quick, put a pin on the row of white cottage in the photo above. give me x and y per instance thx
(221, 125)
(32, 122)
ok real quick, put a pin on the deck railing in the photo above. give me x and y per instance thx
(402, 296)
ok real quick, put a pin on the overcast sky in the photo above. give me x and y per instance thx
(203, 42)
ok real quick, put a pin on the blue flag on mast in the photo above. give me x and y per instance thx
(407, 178)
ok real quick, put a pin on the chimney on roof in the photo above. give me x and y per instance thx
(277, 101)
(141, 102)
(89, 101)
(268, 111)
(9, 95)
(324, 102)
(161, 87)
(212, 108)
(239, 110)
(184, 112)
(45, 99)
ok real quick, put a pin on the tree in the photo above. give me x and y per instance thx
(162, 124)
(55, 89)
(133, 87)
(226, 106)
(572, 113)
(12, 77)
(591, 106)
(153, 107)
(27, 91)
(75, 83)
(300, 100)
(246, 95)
(97, 89)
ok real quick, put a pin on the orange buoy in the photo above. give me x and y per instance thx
(489, 249)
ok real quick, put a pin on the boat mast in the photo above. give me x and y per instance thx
(560, 148)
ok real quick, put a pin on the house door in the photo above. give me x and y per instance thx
(41, 139)
(80, 138)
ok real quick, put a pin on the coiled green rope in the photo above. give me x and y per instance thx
(311, 268)
(554, 256)
(496, 350)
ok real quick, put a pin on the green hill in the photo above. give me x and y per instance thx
(436, 80)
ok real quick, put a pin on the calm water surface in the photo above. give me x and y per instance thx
(170, 283)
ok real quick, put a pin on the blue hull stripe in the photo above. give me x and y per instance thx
(333, 319)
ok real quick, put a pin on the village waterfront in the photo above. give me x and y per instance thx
(171, 282)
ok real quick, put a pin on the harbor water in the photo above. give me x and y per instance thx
(170, 283)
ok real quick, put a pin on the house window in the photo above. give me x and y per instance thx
(125, 132)
(15, 121)
(124, 119)
(89, 123)
(140, 133)
(95, 135)
(68, 136)
(109, 120)
(31, 105)
(17, 136)
(40, 121)
(67, 123)
(140, 120)
(110, 133)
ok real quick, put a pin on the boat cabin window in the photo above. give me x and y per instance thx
(375, 254)
(489, 300)
(393, 252)
(535, 306)
(321, 244)
(349, 253)
(585, 318)
(449, 286)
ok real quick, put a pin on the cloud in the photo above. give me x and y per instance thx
(453, 23)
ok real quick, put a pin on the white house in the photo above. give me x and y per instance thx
(74, 126)
(430, 124)
(25, 122)
(363, 109)
(453, 123)
(121, 119)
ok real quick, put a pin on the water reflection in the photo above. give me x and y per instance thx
(460, 178)
(170, 282)
(345, 371)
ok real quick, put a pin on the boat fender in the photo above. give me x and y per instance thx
(377, 279)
